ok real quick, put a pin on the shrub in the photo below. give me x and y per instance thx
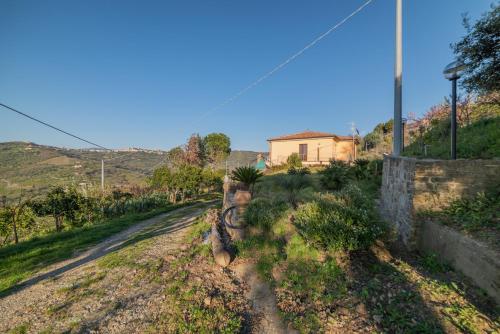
(343, 221)
(263, 213)
(478, 212)
(298, 171)
(292, 185)
(294, 160)
(361, 170)
(335, 176)
(375, 167)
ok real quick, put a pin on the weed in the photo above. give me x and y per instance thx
(20, 329)
(432, 263)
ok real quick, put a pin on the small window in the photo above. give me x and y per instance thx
(303, 152)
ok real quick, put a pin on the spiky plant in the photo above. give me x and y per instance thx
(247, 175)
(293, 185)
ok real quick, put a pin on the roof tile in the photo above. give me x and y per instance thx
(309, 134)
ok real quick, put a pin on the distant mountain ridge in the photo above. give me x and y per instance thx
(30, 167)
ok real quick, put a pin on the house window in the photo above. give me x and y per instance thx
(303, 152)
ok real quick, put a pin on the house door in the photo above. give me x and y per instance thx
(303, 152)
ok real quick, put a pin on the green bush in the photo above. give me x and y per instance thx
(344, 221)
(298, 171)
(478, 212)
(294, 160)
(336, 175)
(361, 169)
(263, 213)
(293, 185)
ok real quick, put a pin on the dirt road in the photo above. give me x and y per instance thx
(103, 288)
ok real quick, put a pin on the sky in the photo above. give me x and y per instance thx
(149, 73)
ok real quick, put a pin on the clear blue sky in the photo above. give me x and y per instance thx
(142, 73)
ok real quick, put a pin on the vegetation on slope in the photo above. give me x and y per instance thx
(31, 168)
(479, 140)
(329, 273)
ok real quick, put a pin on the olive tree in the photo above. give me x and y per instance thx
(15, 217)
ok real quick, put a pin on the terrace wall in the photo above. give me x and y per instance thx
(411, 185)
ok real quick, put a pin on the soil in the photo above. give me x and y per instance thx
(263, 299)
(84, 294)
(121, 284)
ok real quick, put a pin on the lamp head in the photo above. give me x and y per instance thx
(454, 70)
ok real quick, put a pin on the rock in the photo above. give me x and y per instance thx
(361, 309)
(207, 301)
(377, 318)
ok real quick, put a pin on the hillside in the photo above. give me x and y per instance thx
(479, 140)
(35, 168)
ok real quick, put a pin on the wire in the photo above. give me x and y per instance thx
(286, 62)
(53, 127)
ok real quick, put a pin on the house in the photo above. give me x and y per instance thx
(313, 148)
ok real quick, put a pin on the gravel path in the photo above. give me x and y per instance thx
(91, 293)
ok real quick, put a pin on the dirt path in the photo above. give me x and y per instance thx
(102, 289)
(263, 300)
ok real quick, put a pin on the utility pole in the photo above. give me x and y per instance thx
(102, 175)
(398, 81)
(353, 131)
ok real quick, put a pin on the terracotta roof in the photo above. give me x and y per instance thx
(310, 134)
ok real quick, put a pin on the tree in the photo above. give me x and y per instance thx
(61, 204)
(217, 147)
(176, 156)
(161, 179)
(212, 179)
(479, 50)
(187, 179)
(15, 217)
(247, 175)
(194, 154)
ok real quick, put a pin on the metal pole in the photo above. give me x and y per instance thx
(398, 80)
(102, 175)
(454, 119)
(403, 137)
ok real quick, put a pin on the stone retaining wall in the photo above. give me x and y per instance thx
(412, 185)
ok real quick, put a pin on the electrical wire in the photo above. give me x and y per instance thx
(53, 127)
(286, 62)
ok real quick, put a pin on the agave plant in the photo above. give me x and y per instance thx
(293, 185)
(247, 175)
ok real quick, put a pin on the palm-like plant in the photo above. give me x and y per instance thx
(247, 175)
(293, 185)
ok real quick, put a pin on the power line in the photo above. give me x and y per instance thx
(286, 62)
(53, 127)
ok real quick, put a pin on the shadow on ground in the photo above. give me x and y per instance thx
(163, 224)
(401, 296)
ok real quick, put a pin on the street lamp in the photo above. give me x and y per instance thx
(452, 72)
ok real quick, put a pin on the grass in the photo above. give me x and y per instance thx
(318, 288)
(26, 258)
(477, 216)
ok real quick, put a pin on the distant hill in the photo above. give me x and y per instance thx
(35, 168)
